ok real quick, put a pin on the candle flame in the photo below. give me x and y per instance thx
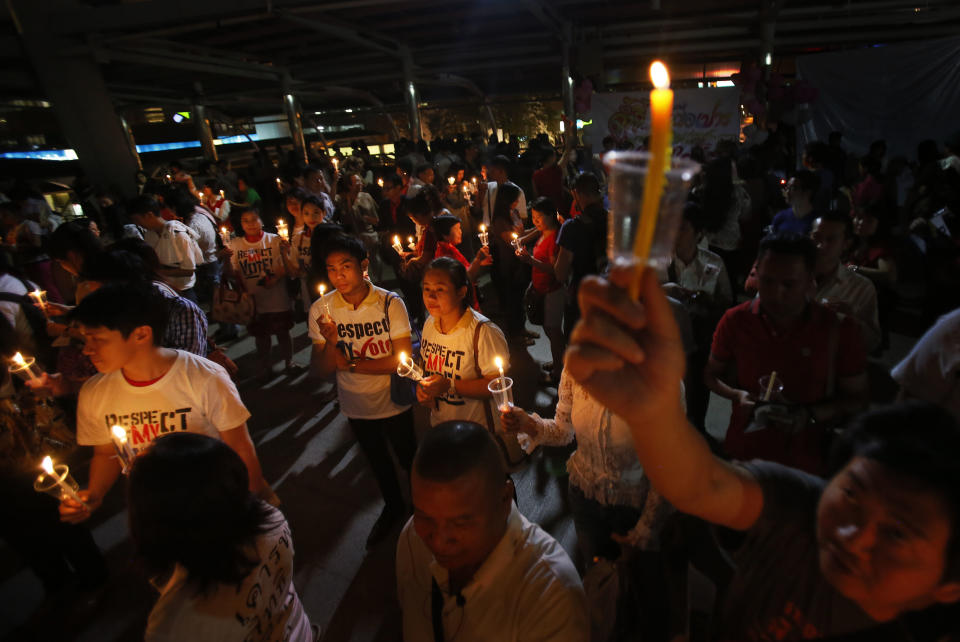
(403, 359)
(515, 236)
(119, 434)
(659, 75)
(497, 361)
(223, 229)
(409, 239)
(483, 228)
(322, 288)
(18, 359)
(451, 180)
(47, 465)
(380, 182)
(396, 240)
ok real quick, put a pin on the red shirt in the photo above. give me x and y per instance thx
(546, 251)
(447, 249)
(747, 337)
(549, 182)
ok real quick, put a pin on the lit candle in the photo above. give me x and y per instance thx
(336, 164)
(122, 444)
(409, 369)
(222, 197)
(411, 243)
(200, 196)
(380, 182)
(322, 288)
(225, 235)
(24, 365)
(40, 297)
(282, 230)
(169, 178)
(484, 236)
(451, 180)
(497, 361)
(515, 242)
(474, 180)
(661, 110)
(279, 185)
(47, 466)
(396, 244)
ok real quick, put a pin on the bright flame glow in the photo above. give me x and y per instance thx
(451, 180)
(47, 465)
(119, 434)
(409, 239)
(18, 359)
(403, 359)
(483, 228)
(497, 361)
(659, 75)
(322, 288)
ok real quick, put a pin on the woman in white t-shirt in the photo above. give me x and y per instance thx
(257, 258)
(458, 348)
(222, 559)
(298, 253)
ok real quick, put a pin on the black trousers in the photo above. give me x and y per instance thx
(55, 551)
(376, 437)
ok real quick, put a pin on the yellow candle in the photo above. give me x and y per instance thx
(661, 111)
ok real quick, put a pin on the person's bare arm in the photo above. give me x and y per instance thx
(629, 356)
(713, 378)
(104, 470)
(239, 439)
(387, 365)
(564, 265)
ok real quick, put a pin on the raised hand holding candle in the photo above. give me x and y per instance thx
(225, 235)
(397, 246)
(63, 479)
(515, 242)
(122, 444)
(501, 388)
(282, 230)
(407, 368)
(222, 197)
(484, 236)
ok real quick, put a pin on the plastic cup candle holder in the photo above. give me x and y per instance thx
(25, 367)
(484, 236)
(325, 307)
(397, 246)
(225, 235)
(770, 385)
(501, 388)
(40, 298)
(515, 242)
(121, 442)
(282, 230)
(407, 368)
(56, 481)
(411, 243)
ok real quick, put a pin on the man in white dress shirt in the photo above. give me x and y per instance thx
(470, 567)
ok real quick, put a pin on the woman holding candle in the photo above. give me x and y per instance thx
(455, 387)
(544, 284)
(449, 232)
(257, 258)
(298, 252)
(510, 276)
(212, 549)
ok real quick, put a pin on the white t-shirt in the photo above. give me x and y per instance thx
(254, 261)
(264, 607)
(195, 395)
(301, 253)
(490, 200)
(932, 369)
(526, 589)
(452, 356)
(176, 247)
(202, 224)
(13, 311)
(364, 333)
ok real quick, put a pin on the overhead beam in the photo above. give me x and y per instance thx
(548, 16)
(337, 29)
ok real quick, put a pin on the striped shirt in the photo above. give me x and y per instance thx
(860, 294)
(186, 324)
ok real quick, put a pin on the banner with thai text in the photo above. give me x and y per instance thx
(700, 117)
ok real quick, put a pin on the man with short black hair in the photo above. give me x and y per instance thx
(469, 566)
(174, 242)
(498, 171)
(818, 359)
(839, 287)
(147, 390)
(798, 218)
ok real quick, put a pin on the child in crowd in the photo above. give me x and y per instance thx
(147, 390)
(358, 332)
(257, 257)
(298, 253)
(458, 349)
(212, 549)
(449, 231)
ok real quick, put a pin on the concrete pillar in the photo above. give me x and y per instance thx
(204, 131)
(291, 108)
(410, 95)
(131, 142)
(74, 85)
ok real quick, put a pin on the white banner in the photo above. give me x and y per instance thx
(700, 117)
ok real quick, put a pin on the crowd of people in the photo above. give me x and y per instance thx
(839, 505)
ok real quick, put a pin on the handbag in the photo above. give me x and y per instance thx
(231, 302)
(533, 302)
(403, 391)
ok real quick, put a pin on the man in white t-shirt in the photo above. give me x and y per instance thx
(147, 390)
(469, 566)
(499, 168)
(358, 332)
(174, 243)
